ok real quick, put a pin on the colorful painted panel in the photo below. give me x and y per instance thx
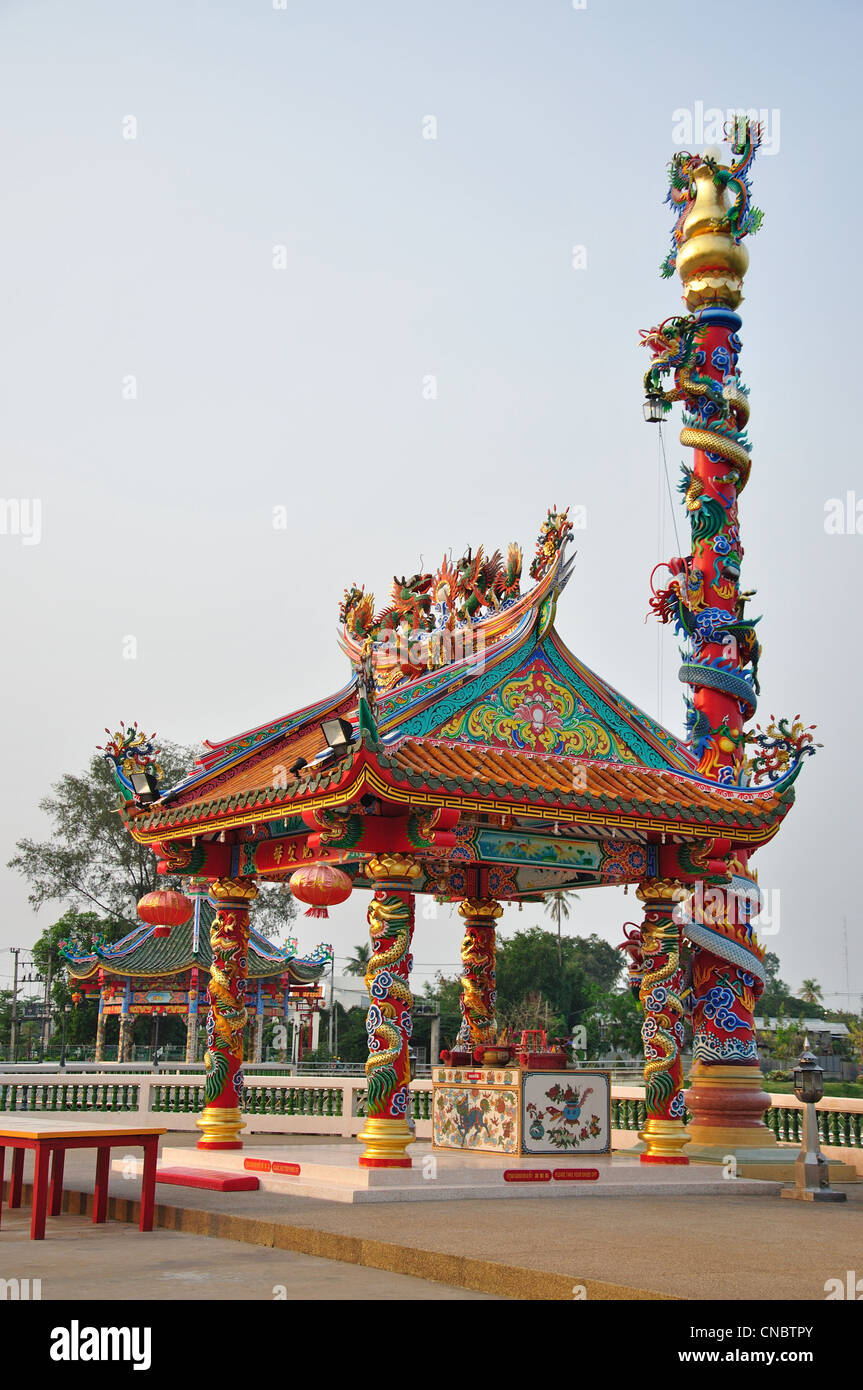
(566, 1112)
(537, 849)
(488, 1076)
(483, 1118)
(536, 711)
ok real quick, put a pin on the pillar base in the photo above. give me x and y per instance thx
(221, 1127)
(663, 1141)
(776, 1164)
(386, 1141)
(727, 1105)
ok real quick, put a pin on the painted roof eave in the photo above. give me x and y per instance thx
(373, 768)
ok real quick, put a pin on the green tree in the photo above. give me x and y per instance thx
(778, 999)
(788, 1039)
(615, 1025)
(359, 962)
(811, 992)
(81, 930)
(90, 862)
(557, 904)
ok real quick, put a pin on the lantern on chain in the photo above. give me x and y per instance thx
(322, 886)
(165, 909)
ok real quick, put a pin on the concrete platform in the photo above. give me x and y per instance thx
(331, 1173)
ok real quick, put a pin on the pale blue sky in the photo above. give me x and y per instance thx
(405, 258)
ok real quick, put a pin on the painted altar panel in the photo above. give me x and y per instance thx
(480, 1118)
(566, 1112)
(510, 1111)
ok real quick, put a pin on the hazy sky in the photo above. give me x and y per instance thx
(231, 259)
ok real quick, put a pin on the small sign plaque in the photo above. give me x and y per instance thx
(527, 1175)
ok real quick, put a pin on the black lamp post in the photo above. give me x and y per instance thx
(67, 1009)
(811, 1171)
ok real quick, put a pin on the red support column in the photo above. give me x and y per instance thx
(478, 993)
(660, 986)
(387, 1130)
(221, 1120)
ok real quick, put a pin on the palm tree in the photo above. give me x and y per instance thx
(359, 963)
(557, 904)
(811, 992)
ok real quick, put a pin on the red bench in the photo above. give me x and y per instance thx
(204, 1177)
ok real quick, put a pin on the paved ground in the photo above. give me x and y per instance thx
(79, 1261)
(679, 1247)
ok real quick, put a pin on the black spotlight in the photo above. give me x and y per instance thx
(338, 734)
(145, 787)
(295, 767)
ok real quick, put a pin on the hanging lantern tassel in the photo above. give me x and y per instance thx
(321, 886)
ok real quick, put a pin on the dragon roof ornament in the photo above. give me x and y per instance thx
(454, 614)
(129, 751)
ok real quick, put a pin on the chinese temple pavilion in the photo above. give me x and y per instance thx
(157, 971)
(473, 756)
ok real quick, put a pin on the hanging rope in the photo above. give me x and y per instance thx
(663, 471)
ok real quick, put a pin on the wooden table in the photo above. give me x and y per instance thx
(50, 1137)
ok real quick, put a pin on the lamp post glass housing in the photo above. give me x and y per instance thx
(808, 1079)
(812, 1175)
(654, 410)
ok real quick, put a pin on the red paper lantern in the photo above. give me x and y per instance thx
(322, 886)
(165, 909)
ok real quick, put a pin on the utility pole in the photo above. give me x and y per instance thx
(331, 1020)
(13, 1036)
(46, 1022)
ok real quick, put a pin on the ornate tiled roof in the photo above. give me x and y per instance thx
(141, 953)
(520, 726)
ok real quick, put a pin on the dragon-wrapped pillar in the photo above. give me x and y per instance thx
(388, 1129)
(660, 985)
(221, 1120)
(703, 598)
(726, 1099)
(478, 996)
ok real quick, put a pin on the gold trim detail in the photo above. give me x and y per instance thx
(220, 1124)
(663, 1138)
(387, 866)
(237, 890)
(482, 911)
(386, 1142)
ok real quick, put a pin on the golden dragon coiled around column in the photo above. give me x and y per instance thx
(230, 1016)
(657, 1071)
(674, 344)
(474, 1007)
(389, 916)
(227, 1016)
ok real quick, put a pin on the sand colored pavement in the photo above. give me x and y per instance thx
(619, 1248)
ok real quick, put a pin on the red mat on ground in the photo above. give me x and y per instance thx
(204, 1177)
